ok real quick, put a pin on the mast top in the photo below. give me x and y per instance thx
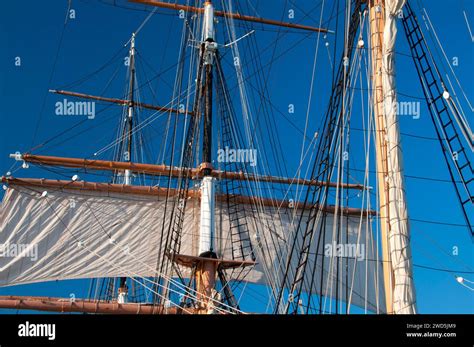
(208, 24)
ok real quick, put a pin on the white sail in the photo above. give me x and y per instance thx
(399, 234)
(349, 259)
(91, 234)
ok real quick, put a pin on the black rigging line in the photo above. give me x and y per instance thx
(279, 249)
(174, 65)
(399, 93)
(257, 71)
(262, 109)
(442, 270)
(173, 234)
(113, 3)
(450, 142)
(439, 223)
(55, 61)
(74, 127)
(321, 171)
(412, 176)
(84, 78)
(270, 128)
(156, 73)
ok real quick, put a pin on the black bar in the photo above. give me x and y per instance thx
(207, 132)
(301, 330)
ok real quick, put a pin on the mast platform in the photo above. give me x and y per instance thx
(191, 261)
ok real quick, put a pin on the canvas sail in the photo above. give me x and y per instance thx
(404, 301)
(91, 234)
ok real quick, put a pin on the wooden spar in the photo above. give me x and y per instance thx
(236, 16)
(122, 102)
(164, 192)
(86, 306)
(284, 180)
(377, 23)
(92, 164)
(175, 172)
(350, 211)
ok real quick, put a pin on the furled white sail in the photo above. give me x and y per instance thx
(90, 234)
(399, 234)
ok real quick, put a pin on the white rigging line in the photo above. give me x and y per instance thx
(310, 97)
(461, 281)
(240, 38)
(450, 255)
(177, 80)
(247, 125)
(192, 63)
(259, 205)
(319, 215)
(463, 124)
(468, 26)
(367, 155)
(447, 60)
(145, 123)
(142, 24)
(372, 136)
(336, 146)
(345, 114)
(298, 171)
(458, 112)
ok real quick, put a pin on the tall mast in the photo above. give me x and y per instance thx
(377, 22)
(395, 233)
(128, 158)
(206, 269)
(123, 289)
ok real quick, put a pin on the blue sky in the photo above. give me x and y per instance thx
(32, 32)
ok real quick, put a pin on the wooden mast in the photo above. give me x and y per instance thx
(122, 294)
(377, 24)
(206, 270)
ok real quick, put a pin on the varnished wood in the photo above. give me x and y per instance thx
(236, 16)
(174, 172)
(85, 306)
(121, 102)
(164, 192)
(377, 23)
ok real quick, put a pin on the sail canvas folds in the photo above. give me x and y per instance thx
(77, 235)
(90, 234)
(404, 301)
